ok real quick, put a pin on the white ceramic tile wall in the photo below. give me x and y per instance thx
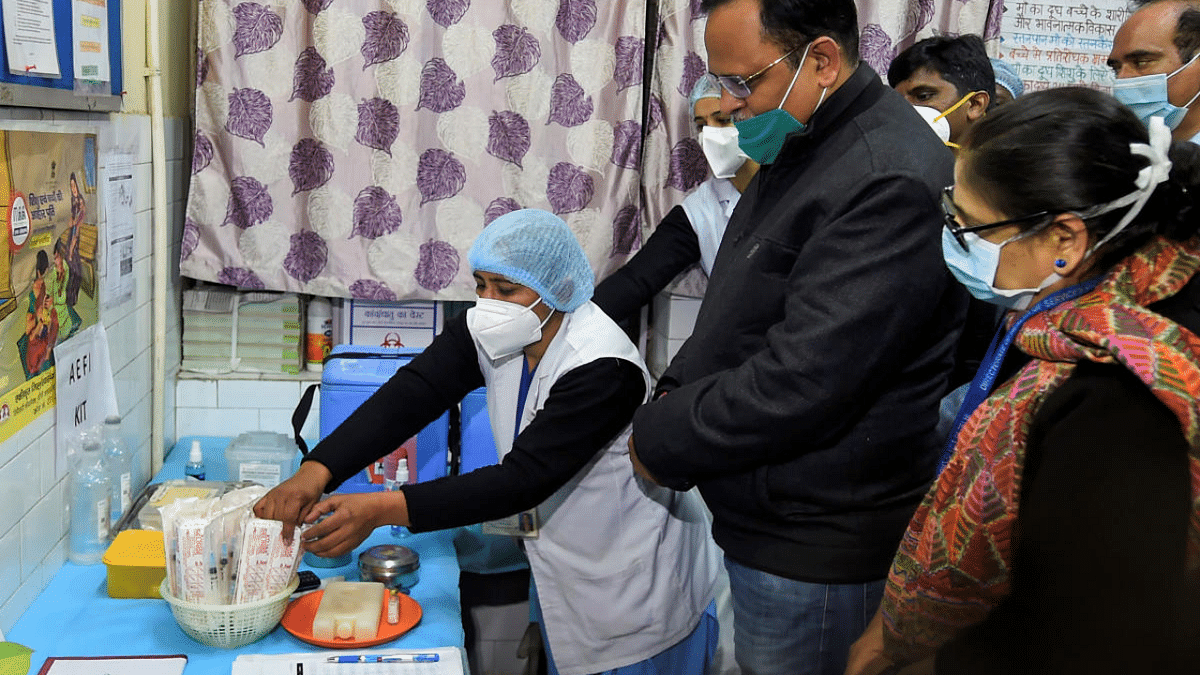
(33, 517)
(229, 407)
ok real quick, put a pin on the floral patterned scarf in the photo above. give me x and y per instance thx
(953, 565)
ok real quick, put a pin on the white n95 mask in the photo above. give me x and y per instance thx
(936, 119)
(721, 149)
(504, 328)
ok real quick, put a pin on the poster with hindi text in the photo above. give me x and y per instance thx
(1055, 43)
(48, 264)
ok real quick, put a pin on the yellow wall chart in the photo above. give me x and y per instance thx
(48, 267)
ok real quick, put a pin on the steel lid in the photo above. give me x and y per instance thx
(389, 559)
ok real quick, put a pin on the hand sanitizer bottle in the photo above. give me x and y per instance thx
(195, 464)
(120, 465)
(91, 497)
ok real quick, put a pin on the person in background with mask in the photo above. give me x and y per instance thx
(624, 569)
(803, 406)
(1153, 57)
(1008, 84)
(951, 75)
(691, 232)
(1063, 535)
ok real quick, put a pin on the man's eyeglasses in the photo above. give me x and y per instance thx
(738, 86)
(952, 214)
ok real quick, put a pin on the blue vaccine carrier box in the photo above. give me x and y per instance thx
(351, 374)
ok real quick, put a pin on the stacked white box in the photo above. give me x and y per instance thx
(672, 319)
(233, 331)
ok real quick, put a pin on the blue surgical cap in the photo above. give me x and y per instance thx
(705, 87)
(535, 248)
(1007, 77)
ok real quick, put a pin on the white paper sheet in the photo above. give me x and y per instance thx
(450, 662)
(119, 230)
(29, 37)
(89, 39)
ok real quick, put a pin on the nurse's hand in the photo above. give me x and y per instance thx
(639, 468)
(350, 520)
(293, 499)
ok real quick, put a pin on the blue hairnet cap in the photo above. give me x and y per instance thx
(535, 248)
(1007, 77)
(705, 87)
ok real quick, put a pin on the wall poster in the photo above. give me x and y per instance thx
(48, 267)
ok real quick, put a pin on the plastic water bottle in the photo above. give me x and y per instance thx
(91, 499)
(120, 466)
(195, 464)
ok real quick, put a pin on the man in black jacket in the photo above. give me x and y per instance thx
(804, 403)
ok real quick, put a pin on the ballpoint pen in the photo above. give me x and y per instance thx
(384, 658)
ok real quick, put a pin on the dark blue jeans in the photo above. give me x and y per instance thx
(787, 627)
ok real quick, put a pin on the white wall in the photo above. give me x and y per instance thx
(229, 407)
(33, 509)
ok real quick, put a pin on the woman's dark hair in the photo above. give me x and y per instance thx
(43, 263)
(1067, 149)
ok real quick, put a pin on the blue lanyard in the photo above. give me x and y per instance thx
(523, 393)
(985, 378)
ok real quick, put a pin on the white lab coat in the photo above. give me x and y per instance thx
(624, 568)
(708, 209)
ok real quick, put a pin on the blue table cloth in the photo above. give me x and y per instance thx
(75, 617)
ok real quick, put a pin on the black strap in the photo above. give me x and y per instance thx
(301, 414)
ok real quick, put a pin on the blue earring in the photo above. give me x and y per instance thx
(1060, 263)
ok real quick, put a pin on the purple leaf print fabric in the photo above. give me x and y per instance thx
(569, 105)
(202, 152)
(447, 12)
(316, 6)
(249, 203)
(437, 265)
(517, 51)
(697, 9)
(191, 239)
(656, 112)
(441, 91)
(627, 144)
(575, 19)
(378, 124)
(693, 69)
(627, 230)
(240, 277)
(499, 207)
(250, 114)
(376, 213)
(306, 256)
(918, 15)
(569, 188)
(201, 67)
(313, 78)
(439, 175)
(688, 166)
(508, 136)
(311, 165)
(387, 38)
(258, 29)
(876, 47)
(369, 289)
(630, 52)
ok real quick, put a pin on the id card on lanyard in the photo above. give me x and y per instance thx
(524, 524)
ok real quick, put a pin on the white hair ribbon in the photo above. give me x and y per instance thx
(1148, 178)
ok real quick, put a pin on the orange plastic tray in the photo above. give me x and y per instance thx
(299, 615)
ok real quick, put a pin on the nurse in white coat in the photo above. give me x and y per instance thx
(624, 569)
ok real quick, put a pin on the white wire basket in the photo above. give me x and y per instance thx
(229, 626)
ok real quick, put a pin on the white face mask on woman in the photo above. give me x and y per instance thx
(503, 328)
(721, 149)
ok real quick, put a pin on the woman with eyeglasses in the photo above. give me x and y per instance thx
(1063, 534)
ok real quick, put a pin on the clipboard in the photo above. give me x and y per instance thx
(149, 664)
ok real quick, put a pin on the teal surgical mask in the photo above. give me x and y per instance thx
(761, 137)
(1146, 95)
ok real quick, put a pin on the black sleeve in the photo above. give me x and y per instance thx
(436, 379)
(586, 408)
(671, 248)
(1098, 577)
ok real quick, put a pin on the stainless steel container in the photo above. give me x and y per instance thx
(392, 565)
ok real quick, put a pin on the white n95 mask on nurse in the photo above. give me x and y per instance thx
(721, 149)
(504, 328)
